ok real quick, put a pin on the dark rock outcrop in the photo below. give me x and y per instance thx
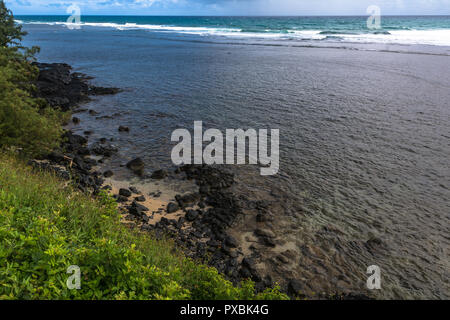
(63, 89)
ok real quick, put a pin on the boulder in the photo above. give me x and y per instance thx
(191, 215)
(136, 165)
(231, 242)
(159, 174)
(103, 149)
(134, 190)
(295, 287)
(125, 192)
(139, 199)
(172, 207)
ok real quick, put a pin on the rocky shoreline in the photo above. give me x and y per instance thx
(198, 221)
(201, 232)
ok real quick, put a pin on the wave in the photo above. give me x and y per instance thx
(337, 32)
(439, 37)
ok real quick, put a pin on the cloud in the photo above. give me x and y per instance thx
(235, 7)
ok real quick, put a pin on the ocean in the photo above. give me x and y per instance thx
(364, 120)
(433, 30)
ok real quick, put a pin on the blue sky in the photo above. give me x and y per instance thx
(231, 7)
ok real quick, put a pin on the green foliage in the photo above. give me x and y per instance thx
(10, 33)
(46, 227)
(25, 122)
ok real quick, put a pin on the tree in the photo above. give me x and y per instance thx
(10, 33)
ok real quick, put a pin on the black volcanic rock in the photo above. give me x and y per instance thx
(159, 174)
(61, 88)
(191, 215)
(125, 192)
(136, 165)
(295, 287)
(172, 207)
(99, 91)
(231, 242)
(139, 199)
(103, 148)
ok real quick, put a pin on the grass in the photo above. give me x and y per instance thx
(46, 226)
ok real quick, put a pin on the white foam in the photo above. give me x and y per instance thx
(429, 37)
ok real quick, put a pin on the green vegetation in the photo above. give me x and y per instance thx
(47, 226)
(26, 123)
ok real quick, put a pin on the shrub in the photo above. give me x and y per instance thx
(46, 227)
(25, 122)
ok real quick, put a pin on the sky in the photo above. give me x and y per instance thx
(231, 7)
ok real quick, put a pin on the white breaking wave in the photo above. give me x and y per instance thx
(438, 37)
(430, 37)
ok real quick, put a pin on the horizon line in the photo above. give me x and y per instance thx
(243, 16)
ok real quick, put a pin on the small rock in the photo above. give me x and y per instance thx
(124, 129)
(264, 233)
(213, 243)
(75, 139)
(98, 91)
(108, 173)
(76, 120)
(263, 217)
(172, 207)
(180, 222)
(134, 190)
(102, 148)
(295, 287)
(245, 273)
(125, 193)
(231, 242)
(269, 242)
(191, 215)
(139, 206)
(187, 199)
(122, 199)
(136, 165)
(140, 199)
(137, 209)
(248, 263)
(159, 174)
